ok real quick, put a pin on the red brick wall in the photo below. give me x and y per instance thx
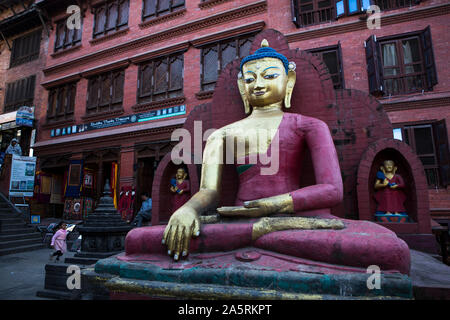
(277, 16)
(24, 70)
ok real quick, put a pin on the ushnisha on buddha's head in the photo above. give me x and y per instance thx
(266, 78)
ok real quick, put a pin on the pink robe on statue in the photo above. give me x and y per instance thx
(59, 240)
(180, 199)
(391, 200)
(359, 244)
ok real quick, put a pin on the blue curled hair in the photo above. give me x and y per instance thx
(266, 52)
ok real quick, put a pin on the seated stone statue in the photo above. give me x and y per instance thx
(389, 185)
(266, 83)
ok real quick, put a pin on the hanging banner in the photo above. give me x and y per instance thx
(22, 176)
(74, 179)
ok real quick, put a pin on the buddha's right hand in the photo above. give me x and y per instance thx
(183, 225)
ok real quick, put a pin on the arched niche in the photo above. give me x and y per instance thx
(161, 195)
(411, 170)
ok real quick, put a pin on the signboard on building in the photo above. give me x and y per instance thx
(25, 116)
(22, 176)
(108, 123)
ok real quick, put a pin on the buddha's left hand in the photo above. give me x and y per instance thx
(261, 207)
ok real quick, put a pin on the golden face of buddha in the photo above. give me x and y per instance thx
(265, 81)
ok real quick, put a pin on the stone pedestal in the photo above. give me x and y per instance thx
(241, 274)
(103, 235)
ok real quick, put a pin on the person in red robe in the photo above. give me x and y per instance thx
(390, 196)
(181, 189)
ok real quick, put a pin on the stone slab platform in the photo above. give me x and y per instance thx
(240, 274)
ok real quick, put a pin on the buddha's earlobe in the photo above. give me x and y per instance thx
(289, 88)
(241, 86)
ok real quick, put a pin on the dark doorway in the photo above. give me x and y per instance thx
(146, 168)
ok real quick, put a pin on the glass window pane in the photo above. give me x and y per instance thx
(411, 51)
(176, 72)
(244, 49)
(149, 7)
(389, 55)
(112, 16)
(210, 65)
(352, 6)
(228, 54)
(398, 134)
(340, 7)
(365, 4)
(161, 77)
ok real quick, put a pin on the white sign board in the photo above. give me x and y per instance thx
(22, 176)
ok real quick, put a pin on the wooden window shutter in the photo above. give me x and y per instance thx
(428, 55)
(442, 151)
(149, 8)
(123, 13)
(374, 66)
(118, 80)
(177, 3)
(176, 73)
(71, 99)
(31, 82)
(93, 93)
(295, 13)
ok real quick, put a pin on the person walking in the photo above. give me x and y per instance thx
(146, 210)
(59, 241)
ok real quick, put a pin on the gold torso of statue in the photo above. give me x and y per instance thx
(266, 84)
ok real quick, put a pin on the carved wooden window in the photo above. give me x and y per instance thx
(110, 17)
(350, 7)
(161, 79)
(309, 12)
(216, 56)
(430, 143)
(61, 102)
(394, 4)
(332, 58)
(66, 38)
(401, 64)
(155, 8)
(105, 92)
(19, 93)
(25, 48)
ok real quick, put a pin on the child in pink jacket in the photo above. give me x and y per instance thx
(59, 241)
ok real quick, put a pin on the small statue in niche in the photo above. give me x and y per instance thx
(181, 188)
(390, 195)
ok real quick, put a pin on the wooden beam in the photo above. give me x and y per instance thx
(4, 39)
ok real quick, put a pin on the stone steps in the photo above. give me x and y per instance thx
(22, 230)
(15, 235)
(31, 247)
(18, 243)
(14, 225)
(12, 237)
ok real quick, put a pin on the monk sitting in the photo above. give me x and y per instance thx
(266, 83)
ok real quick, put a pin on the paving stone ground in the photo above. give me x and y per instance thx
(23, 274)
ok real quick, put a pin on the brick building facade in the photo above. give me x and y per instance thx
(156, 60)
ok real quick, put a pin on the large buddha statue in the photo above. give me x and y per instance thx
(271, 211)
